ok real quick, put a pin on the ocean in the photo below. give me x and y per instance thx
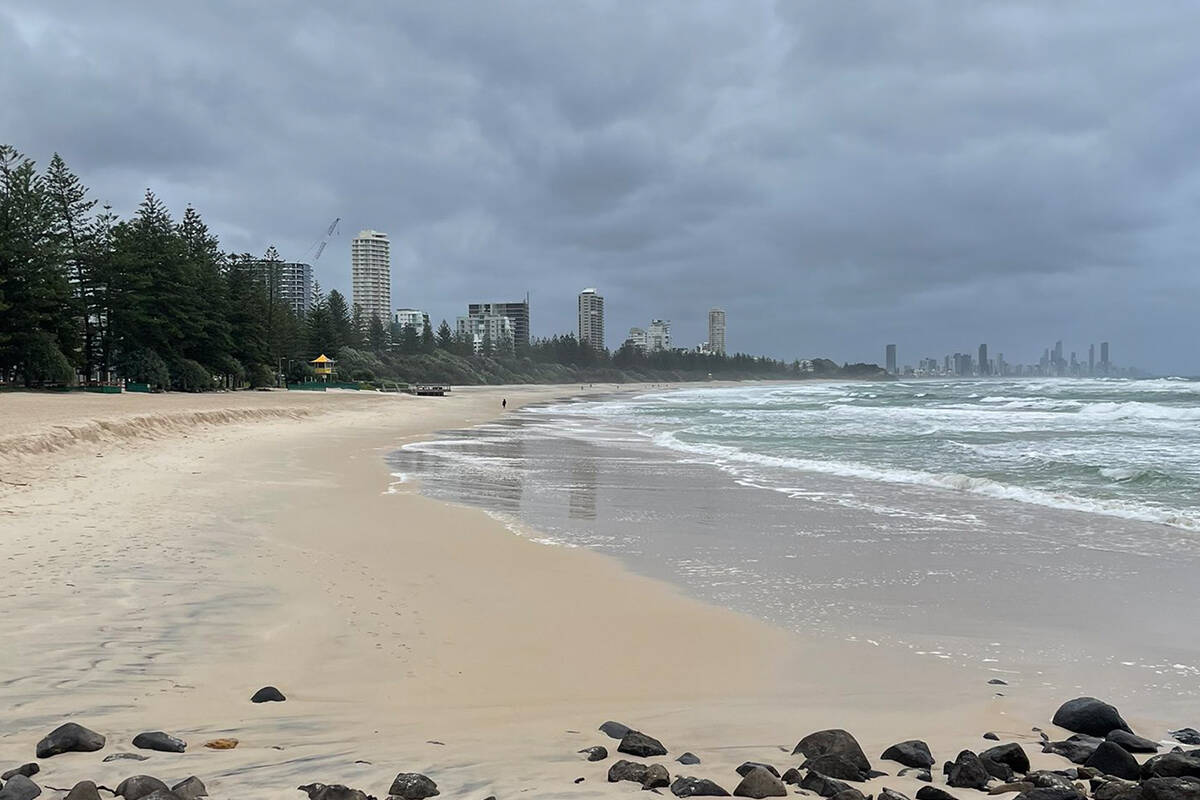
(1046, 530)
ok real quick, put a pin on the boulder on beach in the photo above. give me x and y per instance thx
(1009, 753)
(69, 738)
(1002, 772)
(336, 791)
(162, 794)
(934, 793)
(413, 786)
(1046, 779)
(221, 744)
(833, 741)
(890, 794)
(1013, 786)
(1170, 789)
(1186, 736)
(911, 753)
(191, 788)
(596, 753)
(1172, 765)
(968, 772)
(744, 768)
(615, 730)
(1132, 742)
(139, 786)
(836, 765)
(20, 787)
(267, 694)
(849, 794)
(624, 770)
(759, 783)
(84, 790)
(1089, 715)
(991, 736)
(656, 777)
(1112, 759)
(28, 770)
(998, 682)
(920, 773)
(689, 758)
(822, 785)
(157, 740)
(791, 776)
(1117, 789)
(696, 787)
(124, 757)
(636, 743)
(1077, 749)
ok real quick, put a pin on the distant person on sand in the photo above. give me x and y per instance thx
(504, 403)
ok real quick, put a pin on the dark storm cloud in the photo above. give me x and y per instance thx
(837, 176)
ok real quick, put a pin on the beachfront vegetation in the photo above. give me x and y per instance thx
(86, 297)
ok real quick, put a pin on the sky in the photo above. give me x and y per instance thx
(836, 176)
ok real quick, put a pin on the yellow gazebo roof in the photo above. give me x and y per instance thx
(321, 359)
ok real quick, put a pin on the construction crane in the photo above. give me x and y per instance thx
(319, 245)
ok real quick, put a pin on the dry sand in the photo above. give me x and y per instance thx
(167, 555)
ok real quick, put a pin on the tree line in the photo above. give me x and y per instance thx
(88, 297)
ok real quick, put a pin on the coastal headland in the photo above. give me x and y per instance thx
(167, 556)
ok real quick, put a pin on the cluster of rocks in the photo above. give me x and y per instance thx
(1102, 746)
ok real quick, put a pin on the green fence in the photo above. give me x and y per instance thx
(306, 387)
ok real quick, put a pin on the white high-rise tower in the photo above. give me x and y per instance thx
(591, 318)
(716, 331)
(371, 274)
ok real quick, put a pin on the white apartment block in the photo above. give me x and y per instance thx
(658, 335)
(487, 327)
(411, 316)
(591, 319)
(371, 274)
(716, 331)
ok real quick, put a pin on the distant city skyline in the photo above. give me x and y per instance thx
(1055, 361)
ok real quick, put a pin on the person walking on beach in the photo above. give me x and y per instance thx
(504, 403)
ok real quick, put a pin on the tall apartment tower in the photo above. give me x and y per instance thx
(516, 310)
(658, 335)
(290, 281)
(591, 318)
(1104, 365)
(716, 331)
(984, 364)
(1091, 359)
(890, 353)
(371, 274)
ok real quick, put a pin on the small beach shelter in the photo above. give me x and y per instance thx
(323, 366)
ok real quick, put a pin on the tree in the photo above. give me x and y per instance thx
(445, 336)
(343, 325)
(376, 334)
(427, 342)
(318, 324)
(72, 209)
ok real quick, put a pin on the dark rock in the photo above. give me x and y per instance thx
(1005, 788)
(413, 786)
(849, 794)
(791, 776)
(826, 787)
(1077, 750)
(991, 737)
(759, 783)
(1112, 759)
(192, 787)
(1186, 735)
(1117, 790)
(968, 772)
(656, 777)
(1045, 779)
(125, 757)
(1087, 773)
(615, 730)
(833, 742)
(1132, 742)
(934, 793)
(139, 786)
(1089, 715)
(596, 753)
(689, 758)
(835, 765)
(579, 780)
(19, 787)
(874, 773)
(84, 790)
(745, 767)
(636, 743)
(157, 740)
(889, 794)
(1051, 793)
(918, 773)
(162, 794)
(336, 791)
(627, 771)
(997, 769)
(28, 770)
(998, 682)
(1172, 765)
(1010, 753)
(267, 694)
(1170, 789)
(696, 787)
(69, 738)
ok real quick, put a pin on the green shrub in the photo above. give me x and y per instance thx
(261, 375)
(190, 376)
(45, 363)
(144, 366)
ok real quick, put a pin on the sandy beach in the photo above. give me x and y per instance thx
(167, 555)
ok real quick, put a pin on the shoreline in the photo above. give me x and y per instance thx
(167, 583)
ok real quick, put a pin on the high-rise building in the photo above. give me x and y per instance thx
(637, 339)
(405, 317)
(716, 331)
(517, 311)
(484, 329)
(1104, 365)
(591, 319)
(984, 364)
(371, 274)
(658, 335)
(1091, 359)
(291, 280)
(890, 354)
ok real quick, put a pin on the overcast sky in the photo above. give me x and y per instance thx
(836, 175)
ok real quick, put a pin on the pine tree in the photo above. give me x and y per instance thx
(343, 324)
(427, 341)
(445, 336)
(377, 334)
(72, 208)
